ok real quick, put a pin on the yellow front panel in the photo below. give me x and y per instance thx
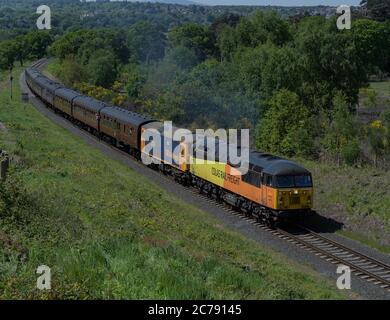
(294, 199)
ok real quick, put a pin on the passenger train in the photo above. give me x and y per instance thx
(272, 190)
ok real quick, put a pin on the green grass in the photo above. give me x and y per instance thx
(367, 240)
(108, 232)
(382, 88)
(360, 197)
(53, 68)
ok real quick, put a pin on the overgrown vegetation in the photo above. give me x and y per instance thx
(357, 197)
(16, 16)
(249, 68)
(261, 72)
(107, 232)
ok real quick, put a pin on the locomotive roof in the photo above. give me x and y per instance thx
(67, 94)
(273, 165)
(126, 116)
(90, 103)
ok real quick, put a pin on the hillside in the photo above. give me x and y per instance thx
(108, 232)
(356, 197)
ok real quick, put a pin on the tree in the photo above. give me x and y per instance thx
(22, 49)
(7, 54)
(220, 23)
(102, 68)
(262, 27)
(372, 40)
(70, 43)
(331, 63)
(267, 68)
(340, 139)
(113, 40)
(227, 43)
(194, 37)
(377, 137)
(377, 9)
(285, 127)
(135, 80)
(146, 41)
(38, 42)
(183, 57)
(72, 72)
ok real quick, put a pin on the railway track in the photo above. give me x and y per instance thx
(361, 265)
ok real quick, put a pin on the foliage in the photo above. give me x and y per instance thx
(372, 98)
(285, 127)
(146, 42)
(102, 68)
(194, 37)
(135, 80)
(377, 9)
(372, 40)
(32, 45)
(340, 139)
(236, 66)
(71, 72)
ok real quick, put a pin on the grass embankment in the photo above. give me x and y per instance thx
(382, 88)
(108, 232)
(358, 197)
(53, 69)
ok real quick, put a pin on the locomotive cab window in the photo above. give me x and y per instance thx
(285, 181)
(301, 181)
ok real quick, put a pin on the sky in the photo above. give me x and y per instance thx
(280, 2)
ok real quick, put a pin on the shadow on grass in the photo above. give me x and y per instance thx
(322, 224)
(314, 222)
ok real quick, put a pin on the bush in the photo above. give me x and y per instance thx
(351, 152)
(285, 128)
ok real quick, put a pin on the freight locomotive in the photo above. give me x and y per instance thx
(272, 190)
